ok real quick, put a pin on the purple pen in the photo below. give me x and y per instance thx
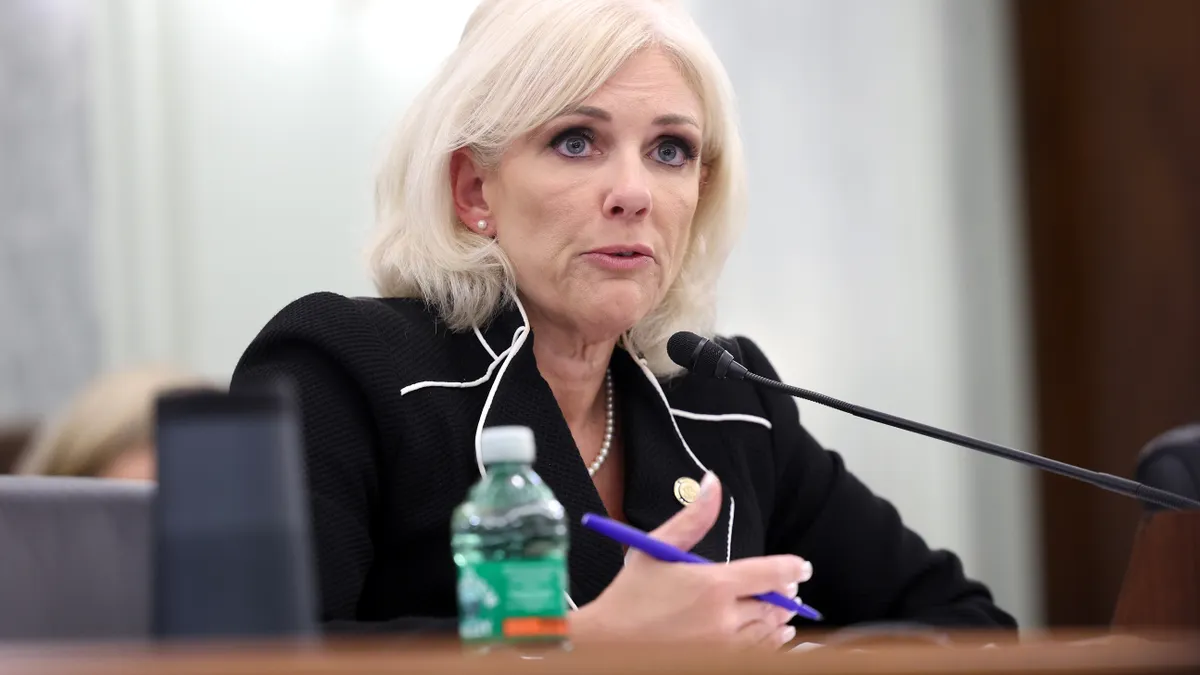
(635, 538)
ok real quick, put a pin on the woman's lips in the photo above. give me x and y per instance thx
(618, 261)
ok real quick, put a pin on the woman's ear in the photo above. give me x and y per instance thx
(703, 179)
(466, 188)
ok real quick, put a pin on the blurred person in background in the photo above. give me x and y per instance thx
(559, 201)
(107, 429)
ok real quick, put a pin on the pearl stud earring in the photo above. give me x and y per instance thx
(481, 224)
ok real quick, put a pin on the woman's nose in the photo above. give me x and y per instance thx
(630, 197)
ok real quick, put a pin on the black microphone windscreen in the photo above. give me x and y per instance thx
(682, 346)
(703, 356)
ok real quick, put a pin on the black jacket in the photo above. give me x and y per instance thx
(392, 403)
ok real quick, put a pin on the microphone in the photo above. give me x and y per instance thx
(705, 357)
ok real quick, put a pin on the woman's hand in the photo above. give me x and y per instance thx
(656, 601)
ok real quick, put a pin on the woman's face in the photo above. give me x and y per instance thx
(594, 209)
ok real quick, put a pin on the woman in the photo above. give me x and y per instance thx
(107, 431)
(560, 200)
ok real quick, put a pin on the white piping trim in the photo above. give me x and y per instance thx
(518, 339)
(662, 395)
(485, 343)
(729, 535)
(654, 382)
(726, 417)
(458, 385)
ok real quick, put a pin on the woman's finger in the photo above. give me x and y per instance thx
(751, 610)
(751, 576)
(756, 635)
(757, 610)
(764, 635)
(781, 637)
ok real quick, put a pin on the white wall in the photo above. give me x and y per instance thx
(48, 325)
(237, 140)
(881, 264)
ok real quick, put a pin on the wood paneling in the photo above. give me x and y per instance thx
(1110, 114)
(1162, 584)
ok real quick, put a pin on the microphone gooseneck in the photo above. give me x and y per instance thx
(705, 357)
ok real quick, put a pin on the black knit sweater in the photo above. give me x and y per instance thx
(388, 461)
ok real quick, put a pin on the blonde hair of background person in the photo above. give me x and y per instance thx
(422, 248)
(107, 429)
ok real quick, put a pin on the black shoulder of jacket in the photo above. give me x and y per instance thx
(325, 311)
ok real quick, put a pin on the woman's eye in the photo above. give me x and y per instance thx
(573, 145)
(672, 153)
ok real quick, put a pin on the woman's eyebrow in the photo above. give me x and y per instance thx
(602, 114)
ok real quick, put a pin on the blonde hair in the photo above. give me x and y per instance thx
(113, 414)
(519, 64)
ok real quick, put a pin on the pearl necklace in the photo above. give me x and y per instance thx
(608, 425)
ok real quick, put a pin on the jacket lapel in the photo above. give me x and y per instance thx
(524, 398)
(655, 458)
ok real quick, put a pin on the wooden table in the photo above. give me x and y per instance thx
(1058, 654)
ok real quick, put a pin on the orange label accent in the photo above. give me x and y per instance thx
(531, 626)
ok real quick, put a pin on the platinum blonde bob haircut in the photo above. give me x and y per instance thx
(518, 65)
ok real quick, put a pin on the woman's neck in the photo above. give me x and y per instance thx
(574, 368)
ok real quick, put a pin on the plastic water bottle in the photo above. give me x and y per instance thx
(510, 546)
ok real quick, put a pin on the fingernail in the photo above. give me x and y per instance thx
(793, 589)
(806, 571)
(707, 484)
(786, 635)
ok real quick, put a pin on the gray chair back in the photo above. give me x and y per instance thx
(1171, 462)
(75, 558)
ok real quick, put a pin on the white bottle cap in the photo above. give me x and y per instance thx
(507, 444)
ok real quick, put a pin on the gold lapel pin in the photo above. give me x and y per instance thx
(686, 490)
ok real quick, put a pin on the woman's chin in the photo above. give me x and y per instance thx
(611, 314)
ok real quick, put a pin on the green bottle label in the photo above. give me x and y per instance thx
(512, 600)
